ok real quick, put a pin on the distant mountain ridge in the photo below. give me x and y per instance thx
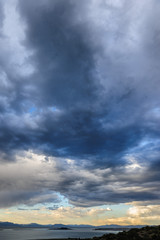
(35, 225)
(15, 225)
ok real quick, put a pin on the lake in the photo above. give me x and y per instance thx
(44, 233)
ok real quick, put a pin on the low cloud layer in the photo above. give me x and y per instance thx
(79, 86)
(39, 181)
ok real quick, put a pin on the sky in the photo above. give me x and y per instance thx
(80, 111)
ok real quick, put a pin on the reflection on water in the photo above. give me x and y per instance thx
(27, 234)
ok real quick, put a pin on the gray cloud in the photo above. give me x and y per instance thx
(39, 180)
(92, 96)
(29, 198)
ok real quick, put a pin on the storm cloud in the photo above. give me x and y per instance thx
(79, 82)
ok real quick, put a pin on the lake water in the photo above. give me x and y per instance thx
(27, 234)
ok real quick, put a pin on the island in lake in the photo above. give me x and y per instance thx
(60, 228)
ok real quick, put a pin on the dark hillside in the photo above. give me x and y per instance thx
(145, 233)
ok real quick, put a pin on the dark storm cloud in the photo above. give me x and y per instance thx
(93, 95)
(64, 57)
(65, 79)
(112, 198)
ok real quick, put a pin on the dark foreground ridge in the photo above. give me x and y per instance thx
(145, 233)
